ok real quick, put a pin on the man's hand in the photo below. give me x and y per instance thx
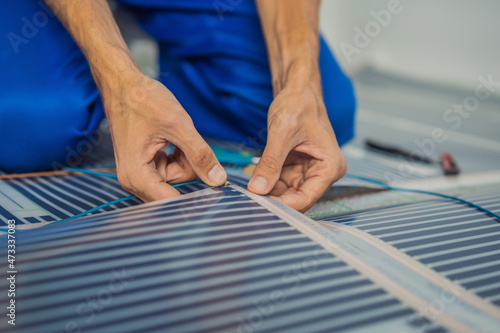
(144, 116)
(302, 158)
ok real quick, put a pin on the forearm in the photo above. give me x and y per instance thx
(291, 33)
(92, 26)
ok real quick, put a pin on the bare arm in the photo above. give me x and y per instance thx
(92, 26)
(144, 116)
(302, 158)
(292, 37)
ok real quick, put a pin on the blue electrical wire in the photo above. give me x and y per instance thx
(95, 209)
(111, 202)
(389, 187)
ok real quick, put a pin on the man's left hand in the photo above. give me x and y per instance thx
(302, 158)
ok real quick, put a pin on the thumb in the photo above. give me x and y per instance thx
(203, 161)
(268, 169)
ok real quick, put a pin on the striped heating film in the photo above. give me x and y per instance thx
(458, 241)
(211, 261)
(47, 199)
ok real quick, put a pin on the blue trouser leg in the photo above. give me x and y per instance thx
(48, 101)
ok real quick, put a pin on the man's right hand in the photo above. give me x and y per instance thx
(144, 117)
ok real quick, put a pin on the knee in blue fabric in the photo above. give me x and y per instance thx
(49, 104)
(48, 137)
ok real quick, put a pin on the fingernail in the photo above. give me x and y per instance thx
(217, 175)
(259, 184)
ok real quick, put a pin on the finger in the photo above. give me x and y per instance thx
(147, 184)
(294, 171)
(201, 158)
(161, 162)
(268, 169)
(178, 168)
(280, 188)
(308, 193)
(173, 168)
(156, 189)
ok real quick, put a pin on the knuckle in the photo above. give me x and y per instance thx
(284, 123)
(177, 117)
(343, 172)
(270, 163)
(204, 156)
(180, 124)
(125, 182)
(342, 167)
(305, 207)
(339, 165)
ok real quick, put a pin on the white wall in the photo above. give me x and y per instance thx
(448, 42)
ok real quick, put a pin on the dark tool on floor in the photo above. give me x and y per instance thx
(446, 160)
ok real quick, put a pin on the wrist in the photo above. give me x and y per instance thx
(300, 76)
(114, 71)
(297, 71)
